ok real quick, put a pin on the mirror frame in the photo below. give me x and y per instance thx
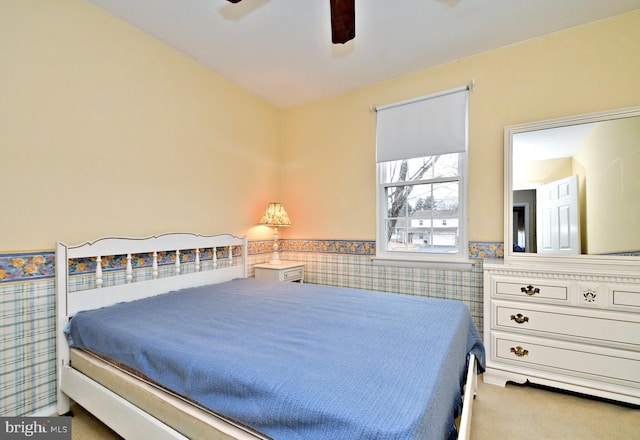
(629, 262)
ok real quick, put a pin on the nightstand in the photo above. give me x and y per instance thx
(285, 271)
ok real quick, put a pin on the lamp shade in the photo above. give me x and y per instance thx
(275, 215)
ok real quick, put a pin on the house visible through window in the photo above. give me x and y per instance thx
(421, 151)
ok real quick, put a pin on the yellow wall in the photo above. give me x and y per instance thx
(105, 130)
(612, 218)
(329, 147)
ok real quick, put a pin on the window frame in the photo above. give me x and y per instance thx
(457, 260)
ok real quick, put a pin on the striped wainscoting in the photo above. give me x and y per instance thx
(27, 301)
(27, 335)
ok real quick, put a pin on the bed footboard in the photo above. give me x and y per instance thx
(124, 418)
(470, 391)
(130, 421)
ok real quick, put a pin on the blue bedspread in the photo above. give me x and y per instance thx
(298, 361)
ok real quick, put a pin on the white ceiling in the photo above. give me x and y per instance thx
(550, 143)
(281, 49)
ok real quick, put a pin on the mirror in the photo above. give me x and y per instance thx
(572, 186)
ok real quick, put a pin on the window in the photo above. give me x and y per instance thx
(421, 153)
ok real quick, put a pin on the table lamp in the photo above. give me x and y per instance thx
(275, 216)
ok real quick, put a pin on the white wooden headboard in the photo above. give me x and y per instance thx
(70, 302)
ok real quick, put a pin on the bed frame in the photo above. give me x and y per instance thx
(154, 277)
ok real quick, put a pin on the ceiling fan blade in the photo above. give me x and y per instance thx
(343, 20)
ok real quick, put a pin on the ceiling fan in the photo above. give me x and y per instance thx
(343, 20)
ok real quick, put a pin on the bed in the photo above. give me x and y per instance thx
(172, 340)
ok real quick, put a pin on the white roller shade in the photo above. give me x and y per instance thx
(427, 126)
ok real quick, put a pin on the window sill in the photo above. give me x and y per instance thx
(465, 265)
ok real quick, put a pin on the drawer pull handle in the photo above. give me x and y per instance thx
(519, 351)
(530, 290)
(520, 318)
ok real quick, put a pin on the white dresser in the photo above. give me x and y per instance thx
(574, 328)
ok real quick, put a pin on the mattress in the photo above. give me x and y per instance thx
(297, 361)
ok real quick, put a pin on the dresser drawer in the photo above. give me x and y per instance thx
(594, 327)
(530, 289)
(293, 274)
(625, 297)
(611, 365)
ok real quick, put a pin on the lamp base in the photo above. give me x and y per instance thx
(275, 258)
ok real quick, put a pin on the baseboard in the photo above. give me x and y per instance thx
(48, 411)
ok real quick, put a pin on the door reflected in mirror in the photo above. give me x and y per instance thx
(575, 185)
